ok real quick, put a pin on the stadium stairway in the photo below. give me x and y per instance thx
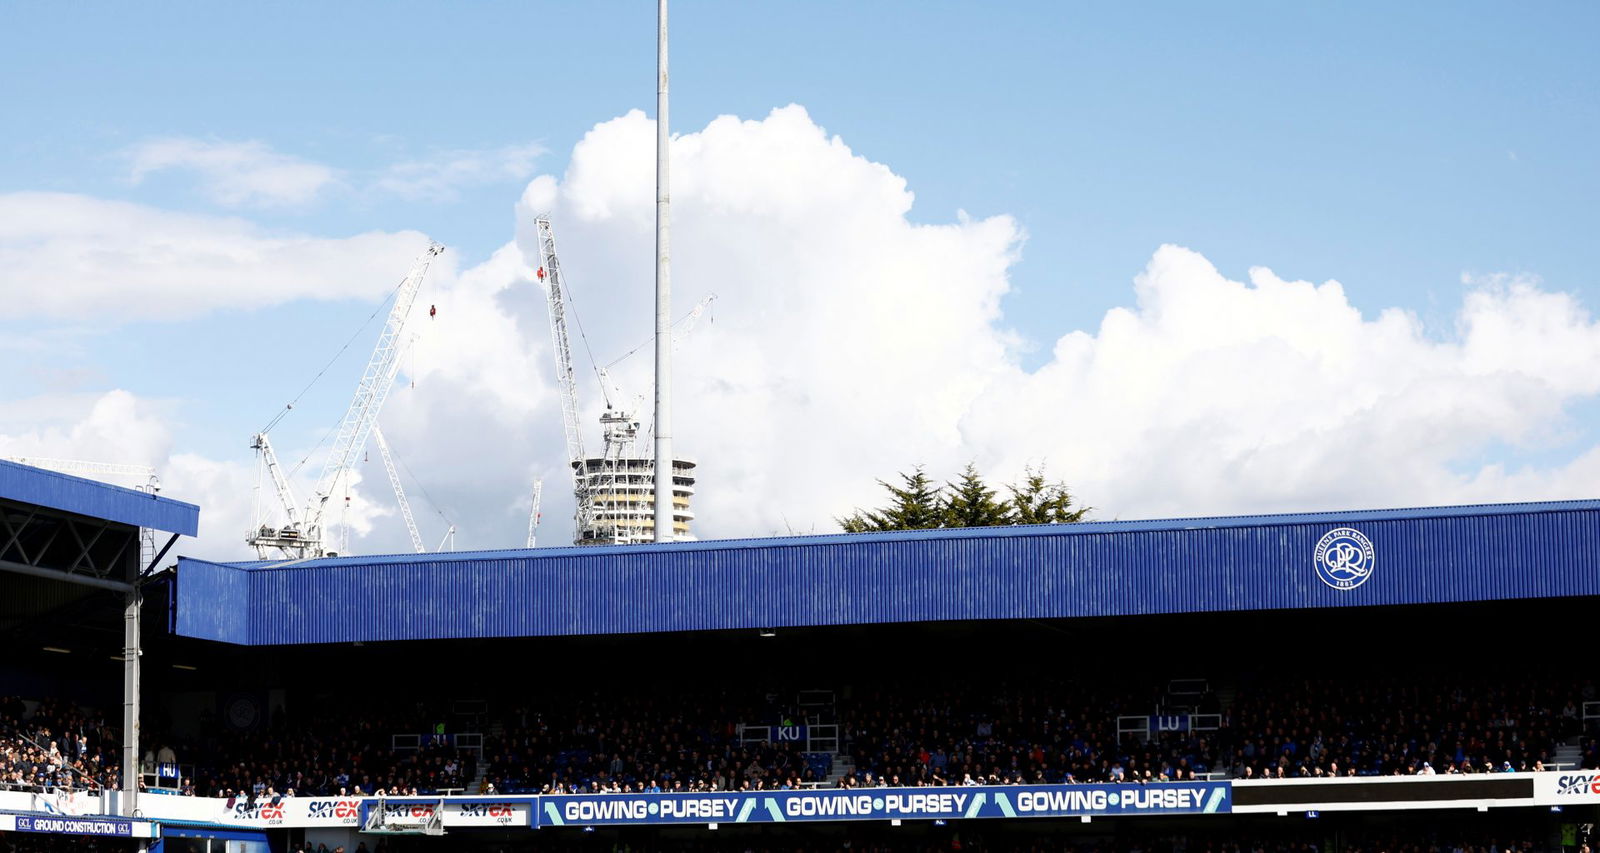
(1569, 754)
(496, 731)
(843, 765)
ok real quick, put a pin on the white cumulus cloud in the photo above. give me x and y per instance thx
(235, 174)
(1214, 396)
(71, 256)
(121, 428)
(850, 343)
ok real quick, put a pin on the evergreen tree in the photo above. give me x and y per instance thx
(969, 502)
(918, 504)
(1038, 501)
(915, 505)
(863, 521)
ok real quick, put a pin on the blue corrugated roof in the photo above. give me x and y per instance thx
(1429, 555)
(1021, 530)
(29, 485)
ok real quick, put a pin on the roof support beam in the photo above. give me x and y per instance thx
(16, 533)
(162, 553)
(58, 575)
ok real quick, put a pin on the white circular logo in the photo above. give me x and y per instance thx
(1344, 558)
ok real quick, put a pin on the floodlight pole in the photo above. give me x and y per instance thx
(130, 698)
(663, 418)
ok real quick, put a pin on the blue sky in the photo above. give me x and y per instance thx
(1393, 147)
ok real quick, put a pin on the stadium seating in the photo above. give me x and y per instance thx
(327, 754)
(55, 745)
(1048, 731)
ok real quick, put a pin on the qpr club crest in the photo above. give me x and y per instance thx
(1344, 558)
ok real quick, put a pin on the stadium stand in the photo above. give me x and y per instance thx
(895, 734)
(1191, 661)
(327, 754)
(1418, 724)
(53, 745)
(1045, 732)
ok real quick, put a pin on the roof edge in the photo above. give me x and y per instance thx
(83, 496)
(1081, 528)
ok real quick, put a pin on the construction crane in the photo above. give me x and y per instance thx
(681, 329)
(619, 426)
(686, 323)
(399, 490)
(620, 486)
(619, 517)
(533, 514)
(268, 460)
(549, 275)
(302, 535)
(605, 490)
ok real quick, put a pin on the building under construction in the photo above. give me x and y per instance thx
(614, 492)
(622, 500)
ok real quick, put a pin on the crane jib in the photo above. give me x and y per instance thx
(302, 537)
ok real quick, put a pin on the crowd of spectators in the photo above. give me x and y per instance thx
(666, 742)
(1064, 733)
(59, 746)
(1042, 732)
(1422, 725)
(1590, 749)
(55, 745)
(327, 755)
(1045, 732)
(888, 734)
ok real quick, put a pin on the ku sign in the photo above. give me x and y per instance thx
(887, 804)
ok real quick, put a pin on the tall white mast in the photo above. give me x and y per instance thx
(663, 424)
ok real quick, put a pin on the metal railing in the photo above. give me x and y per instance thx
(465, 741)
(823, 738)
(1141, 725)
(156, 781)
(65, 764)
